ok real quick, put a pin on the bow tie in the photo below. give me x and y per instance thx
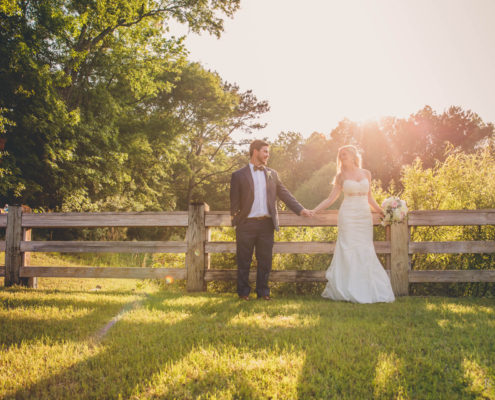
(260, 168)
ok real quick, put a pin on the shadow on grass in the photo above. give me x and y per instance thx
(413, 347)
(133, 352)
(78, 319)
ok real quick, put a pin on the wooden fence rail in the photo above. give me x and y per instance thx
(198, 246)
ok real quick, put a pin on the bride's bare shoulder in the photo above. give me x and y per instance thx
(366, 173)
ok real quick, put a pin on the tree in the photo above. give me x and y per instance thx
(298, 159)
(317, 188)
(378, 156)
(205, 111)
(390, 143)
(73, 72)
(285, 158)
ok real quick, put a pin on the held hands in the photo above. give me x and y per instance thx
(307, 213)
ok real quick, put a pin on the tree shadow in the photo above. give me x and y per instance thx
(77, 319)
(139, 348)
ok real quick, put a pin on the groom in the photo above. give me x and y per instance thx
(253, 194)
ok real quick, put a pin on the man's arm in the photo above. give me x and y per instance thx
(235, 196)
(286, 196)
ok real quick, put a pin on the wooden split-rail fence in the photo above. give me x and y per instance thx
(197, 246)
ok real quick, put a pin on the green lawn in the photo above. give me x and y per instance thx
(169, 344)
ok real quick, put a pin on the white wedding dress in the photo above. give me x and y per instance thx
(355, 273)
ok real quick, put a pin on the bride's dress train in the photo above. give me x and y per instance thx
(355, 273)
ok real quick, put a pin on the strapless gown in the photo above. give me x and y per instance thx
(355, 273)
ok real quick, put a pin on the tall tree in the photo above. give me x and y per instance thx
(206, 111)
(72, 71)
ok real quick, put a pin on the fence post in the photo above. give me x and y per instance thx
(13, 237)
(196, 259)
(31, 282)
(399, 258)
(387, 257)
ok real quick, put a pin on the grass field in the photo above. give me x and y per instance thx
(168, 344)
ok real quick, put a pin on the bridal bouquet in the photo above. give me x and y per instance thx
(395, 210)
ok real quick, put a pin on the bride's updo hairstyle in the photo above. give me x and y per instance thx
(351, 149)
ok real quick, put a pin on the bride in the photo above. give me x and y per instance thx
(355, 273)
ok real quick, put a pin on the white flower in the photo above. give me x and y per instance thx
(395, 210)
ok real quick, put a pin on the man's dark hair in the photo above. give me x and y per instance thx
(256, 144)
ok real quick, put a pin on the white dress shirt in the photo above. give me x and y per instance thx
(260, 205)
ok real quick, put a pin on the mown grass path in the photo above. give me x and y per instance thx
(211, 346)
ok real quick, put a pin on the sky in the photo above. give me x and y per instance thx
(319, 61)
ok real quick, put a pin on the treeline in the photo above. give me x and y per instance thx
(387, 145)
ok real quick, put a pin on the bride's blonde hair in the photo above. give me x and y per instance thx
(354, 152)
